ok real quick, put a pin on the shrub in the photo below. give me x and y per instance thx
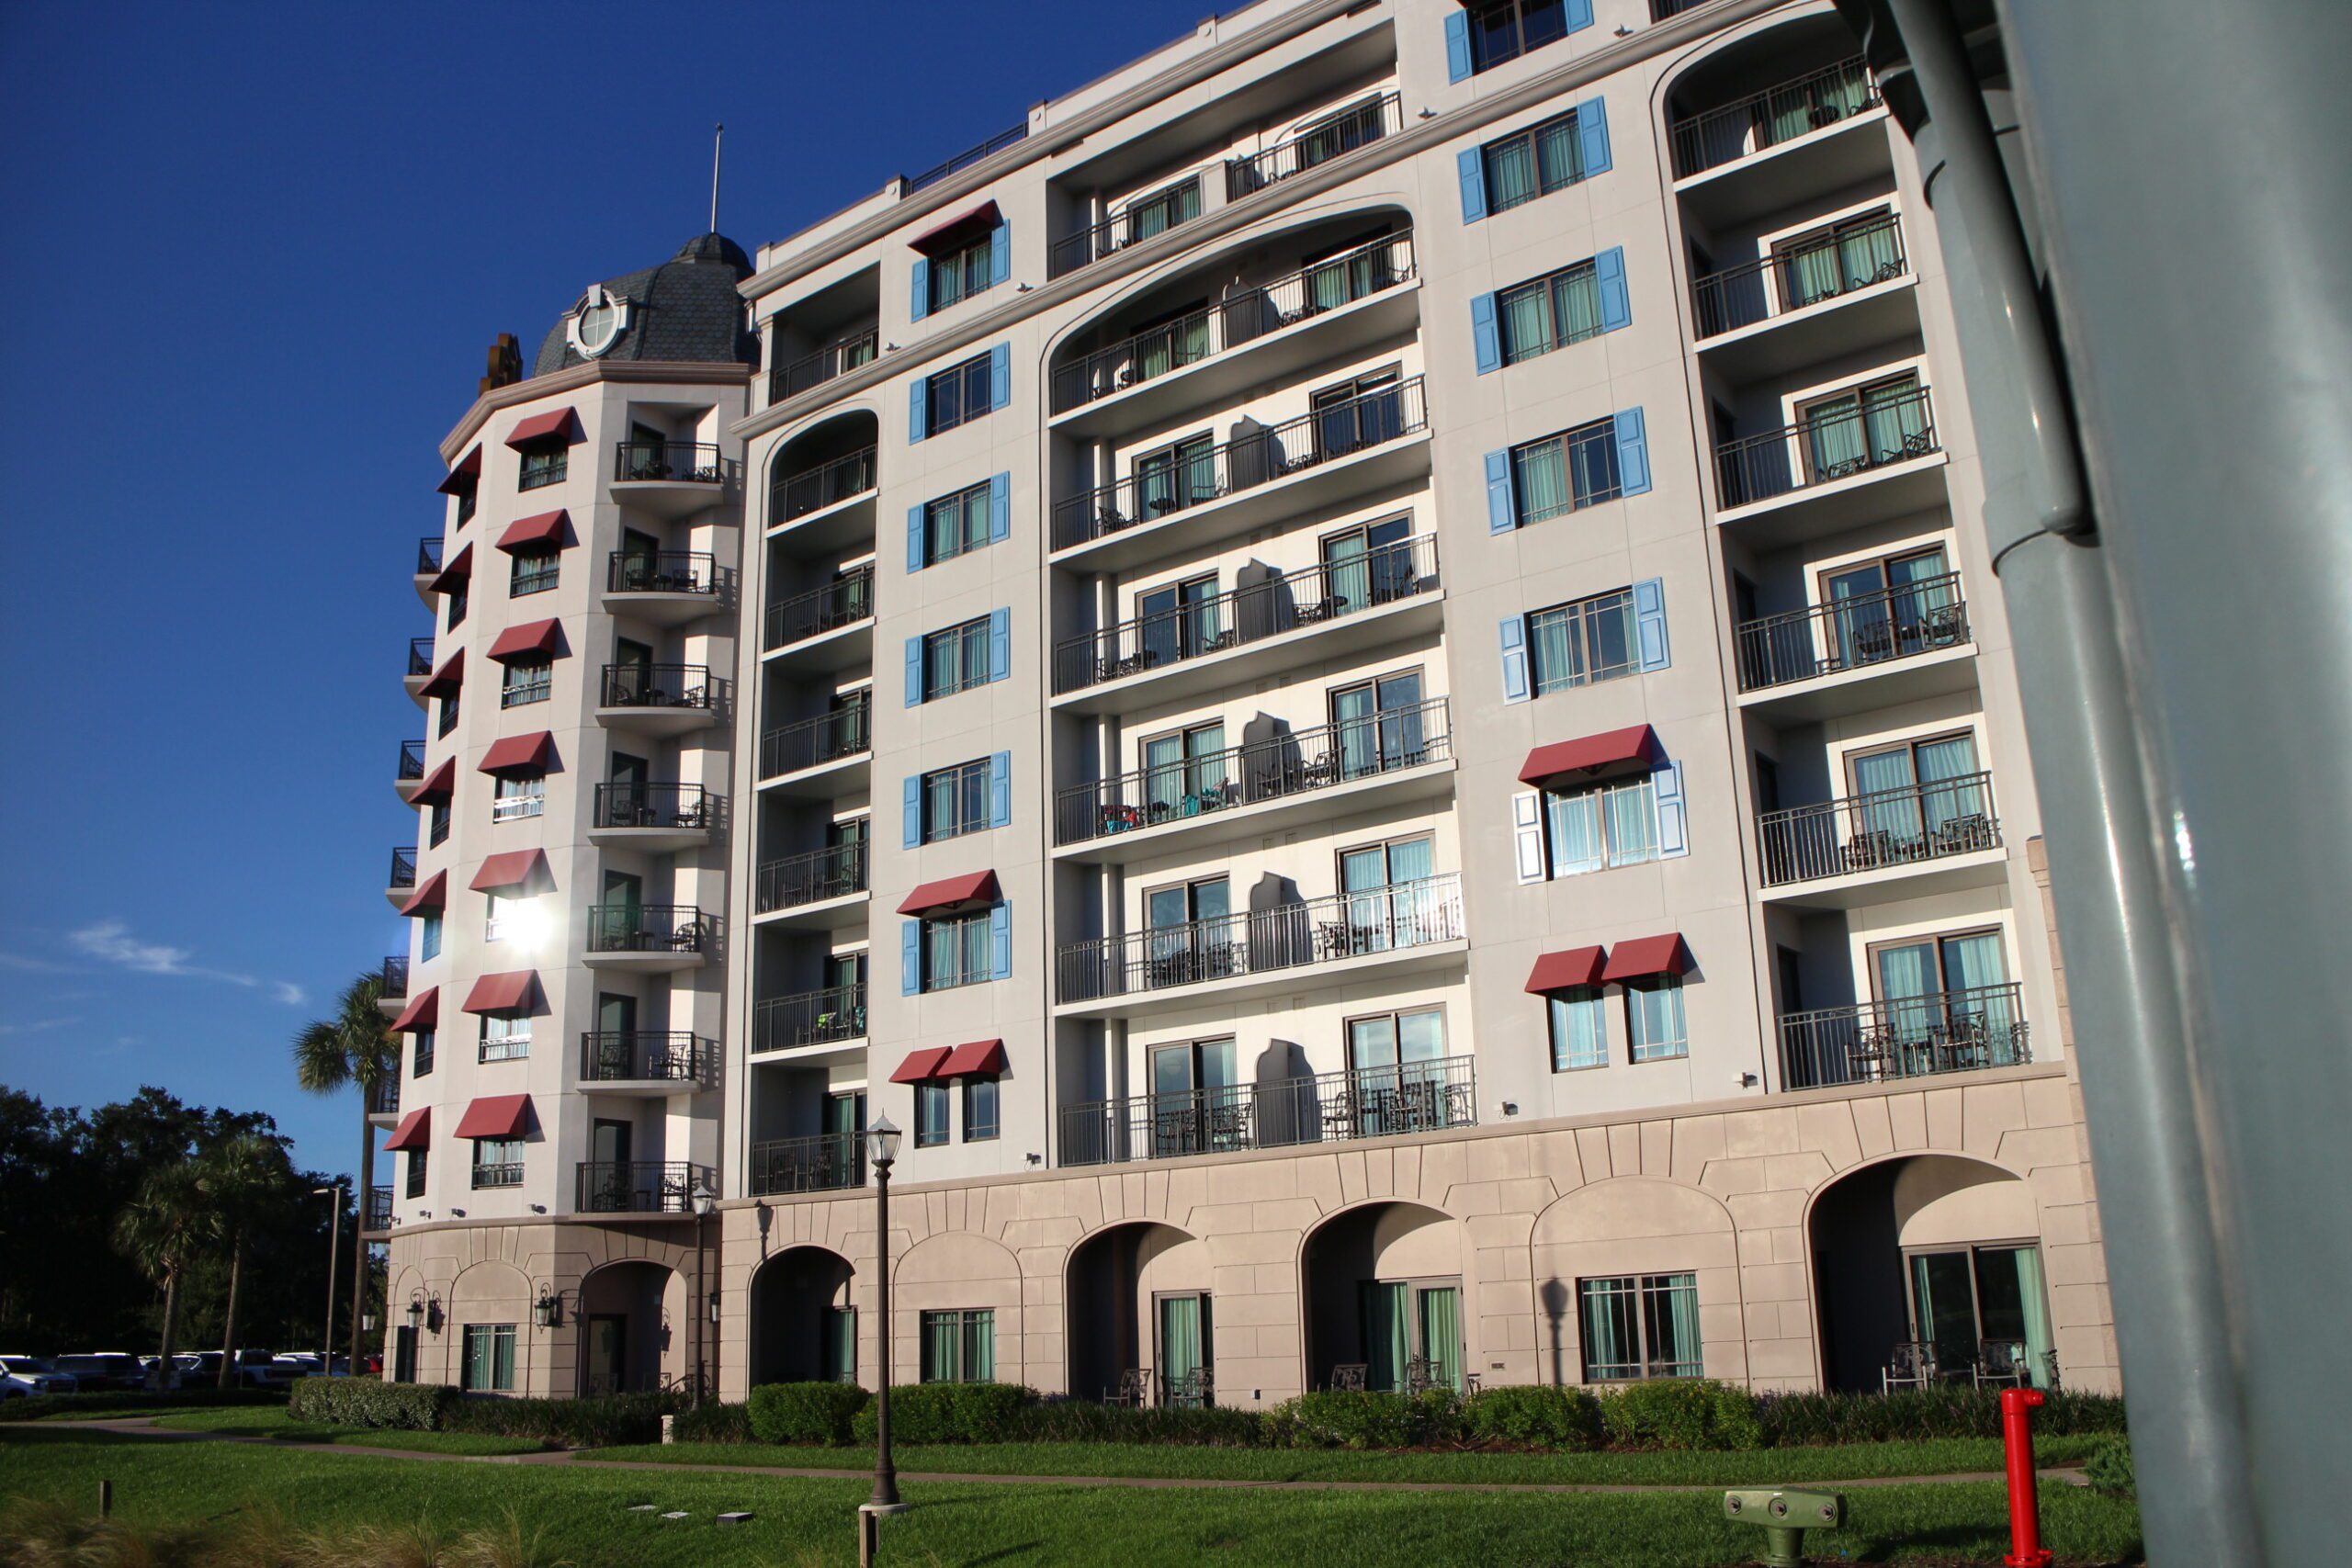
(712, 1423)
(605, 1421)
(1681, 1413)
(809, 1412)
(364, 1402)
(107, 1402)
(1943, 1410)
(1350, 1419)
(1083, 1421)
(2109, 1469)
(950, 1413)
(1533, 1416)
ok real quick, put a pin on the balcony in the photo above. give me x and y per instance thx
(409, 776)
(812, 370)
(1401, 928)
(384, 1099)
(420, 668)
(1407, 1100)
(649, 937)
(400, 881)
(1930, 838)
(1146, 218)
(1877, 455)
(664, 588)
(668, 479)
(395, 991)
(821, 890)
(824, 630)
(829, 505)
(647, 1062)
(656, 818)
(1199, 360)
(1923, 1036)
(380, 1211)
(1379, 599)
(1341, 133)
(830, 1017)
(826, 1162)
(641, 1187)
(967, 158)
(428, 567)
(1851, 288)
(657, 699)
(1869, 650)
(1260, 786)
(1772, 149)
(817, 758)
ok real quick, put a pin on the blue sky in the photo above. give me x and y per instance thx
(251, 258)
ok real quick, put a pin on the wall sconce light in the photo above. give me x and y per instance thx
(1036, 1159)
(456, 1214)
(425, 1307)
(1510, 1108)
(714, 1306)
(548, 1310)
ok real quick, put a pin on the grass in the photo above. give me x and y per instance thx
(278, 1425)
(583, 1511)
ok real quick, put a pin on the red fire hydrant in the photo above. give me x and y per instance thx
(2026, 1550)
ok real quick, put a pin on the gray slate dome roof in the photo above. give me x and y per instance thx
(684, 310)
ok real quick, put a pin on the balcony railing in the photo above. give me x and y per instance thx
(813, 490)
(680, 805)
(833, 872)
(1145, 217)
(1804, 274)
(1343, 132)
(826, 1162)
(631, 1056)
(641, 1187)
(505, 1173)
(846, 601)
(1295, 764)
(693, 461)
(403, 872)
(1291, 936)
(648, 928)
(967, 158)
(1875, 431)
(836, 358)
(809, 1017)
(660, 571)
(428, 555)
(412, 759)
(379, 1209)
(1260, 457)
(1313, 596)
(396, 976)
(1852, 634)
(845, 732)
(656, 686)
(1942, 1031)
(1885, 827)
(1367, 1102)
(1764, 120)
(384, 1099)
(1233, 322)
(420, 656)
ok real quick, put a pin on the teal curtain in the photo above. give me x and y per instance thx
(1922, 584)
(1605, 1316)
(1673, 1302)
(1811, 273)
(1894, 413)
(1633, 821)
(1654, 1017)
(1180, 1338)
(1387, 1334)
(1859, 622)
(2036, 1307)
(1834, 438)
(1526, 320)
(1559, 153)
(1976, 964)
(838, 1356)
(1346, 572)
(1510, 174)
(1579, 1033)
(1163, 782)
(1557, 651)
(1907, 980)
(1940, 762)
(1205, 749)
(942, 1344)
(1575, 303)
(1356, 714)
(979, 1347)
(1886, 780)
(1539, 480)
(1442, 1334)
(1575, 821)
(1866, 249)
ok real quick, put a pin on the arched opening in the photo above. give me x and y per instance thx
(1382, 1288)
(1637, 1278)
(1138, 1321)
(633, 1333)
(956, 1306)
(487, 1337)
(824, 465)
(1935, 1251)
(804, 1321)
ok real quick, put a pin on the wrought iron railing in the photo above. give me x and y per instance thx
(396, 976)
(641, 1187)
(1238, 319)
(695, 461)
(660, 571)
(1942, 1031)
(846, 601)
(379, 1209)
(384, 1099)
(403, 867)
(1351, 127)
(833, 872)
(658, 686)
(1850, 633)
(428, 555)
(1733, 131)
(1260, 457)
(813, 490)
(1396, 1101)
(1798, 275)
(683, 806)
(1874, 430)
(636, 1056)
(847, 731)
(1145, 217)
(505, 1173)
(825, 1163)
(809, 1017)
(1290, 936)
(648, 928)
(1884, 827)
(836, 358)
(420, 656)
(412, 759)
(967, 158)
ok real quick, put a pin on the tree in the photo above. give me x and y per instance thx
(355, 1046)
(242, 1179)
(162, 1232)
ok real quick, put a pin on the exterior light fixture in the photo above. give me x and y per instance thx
(548, 1310)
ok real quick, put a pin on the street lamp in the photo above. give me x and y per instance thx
(334, 1251)
(881, 1149)
(704, 1201)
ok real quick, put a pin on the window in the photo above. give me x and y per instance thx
(1179, 620)
(545, 463)
(959, 1346)
(1379, 725)
(449, 715)
(505, 1037)
(980, 1124)
(1198, 1104)
(466, 499)
(1601, 826)
(956, 524)
(507, 913)
(457, 601)
(416, 1164)
(956, 659)
(1535, 162)
(1654, 1017)
(1185, 772)
(489, 1365)
(1948, 997)
(534, 571)
(420, 1060)
(1405, 1321)
(437, 824)
(1639, 1325)
(1579, 1029)
(1884, 422)
(957, 394)
(1574, 645)
(1162, 210)
(954, 952)
(1401, 1083)
(1189, 932)
(1339, 132)
(1176, 476)
(428, 937)
(1921, 798)
(1565, 472)
(498, 1162)
(526, 680)
(1850, 253)
(1502, 30)
(1962, 1298)
(961, 268)
(1549, 313)
(956, 801)
(518, 796)
(1365, 412)
(931, 1115)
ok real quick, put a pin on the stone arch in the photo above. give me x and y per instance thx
(489, 1293)
(1637, 1227)
(959, 1271)
(1362, 1266)
(794, 489)
(1113, 1282)
(634, 1330)
(803, 1318)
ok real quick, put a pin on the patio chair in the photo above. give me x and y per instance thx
(1420, 1375)
(1911, 1364)
(1134, 1389)
(2001, 1363)
(1350, 1375)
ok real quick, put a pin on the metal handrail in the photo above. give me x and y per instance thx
(697, 462)
(1314, 931)
(403, 867)
(640, 1056)
(1256, 457)
(828, 738)
(813, 490)
(834, 872)
(1310, 596)
(428, 555)
(1943, 1031)
(657, 687)
(420, 656)
(965, 159)
(641, 1187)
(1729, 132)
(384, 1099)
(687, 805)
(1363, 1102)
(1756, 291)
(412, 763)
(1775, 462)
(1090, 245)
(844, 601)
(825, 1163)
(1848, 634)
(506, 1173)
(660, 571)
(648, 928)
(809, 1017)
(1238, 319)
(396, 976)
(1884, 827)
(379, 1208)
(1344, 132)
(836, 358)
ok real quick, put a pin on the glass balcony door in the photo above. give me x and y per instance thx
(1379, 725)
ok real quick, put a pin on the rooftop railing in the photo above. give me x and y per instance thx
(1922, 1036)
(428, 555)
(420, 656)
(1798, 275)
(695, 462)
(660, 571)
(668, 805)
(1146, 217)
(809, 1017)
(967, 158)
(1874, 429)
(1884, 827)
(1358, 126)
(844, 601)
(1853, 632)
(1366, 1103)
(641, 1187)
(648, 928)
(847, 732)
(813, 490)
(635, 1055)
(657, 687)
(835, 872)
(1745, 126)
(836, 358)
(412, 764)
(824, 1163)
(403, 872)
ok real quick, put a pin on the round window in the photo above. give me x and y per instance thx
(596, 323)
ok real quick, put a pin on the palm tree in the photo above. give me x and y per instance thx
(355, 1046)
(237, 1178)
(162, 1231)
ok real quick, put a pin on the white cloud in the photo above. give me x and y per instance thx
(111, 941)
(39, 1025)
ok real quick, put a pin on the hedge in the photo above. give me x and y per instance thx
(2110, 1471)
(1083, 1421)
(107, 1401)
(950, 1413)
(365, 1402)
(606, 1421)
(712, 1423)
(1533, 1415)
(807, 1412)
(1945, 1410)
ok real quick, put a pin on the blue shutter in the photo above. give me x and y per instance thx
(1000, 942)
(1579, 14)
(1457, 45)
(1515, 686)
(1673, 817)
(999, 252)
(918, 396)
(1632, 453)
(910, 832)
(910, 957)
(1487, 341)
(1503, 507)
(915, 536)
(919, 302)
(1000, 645)
(1000, 375)
(914, 671)
(1000, 790)
(1609, 271)
(1473, 166)
(1649, 623)
(1000, 507)
(1592, 129)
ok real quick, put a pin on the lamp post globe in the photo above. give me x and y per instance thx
(882, 1150)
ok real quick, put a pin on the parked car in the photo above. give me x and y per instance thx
(99, 1370)
(37, 1374)
(255, 1369)
(308, 1364)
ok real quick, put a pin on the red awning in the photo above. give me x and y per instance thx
(540, 426)
(515, 868)
(460, 567)
(1594, 752)
(1648, 955)
(526, 754)
(433, 895)
(1560, 971)
(448, 678)
(468, 468)
(415, 1131)
(979, 1058)
(423, 1011)
(438, 784)
(921, 1065)
(509, 992)
(539, 529)
(530, 640)
(978, 887)
(497, 1116)
(985, 213)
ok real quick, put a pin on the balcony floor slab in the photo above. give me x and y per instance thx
(660, 609)
(829, 527)
(651, 840)
(1835, 329)
(1232, 824)
(653, 961)
(1893, 884)
(1384, 626)
(1866, 688)
(848, 912)
(1396, 962)
(676, 720)
(826, 780)
(1811, 513)
(1786, 175)
(669, 499)
(829, 653)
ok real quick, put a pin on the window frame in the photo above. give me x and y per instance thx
(1547, 286)
(1574, 443)
(420, 1045)
(968, 1320)
(970, 503)
(982, 1123)
(1532, 135)
(962, 779)
(533, 572)
(981, 919)
(419, 1164)
(515, 797)
(1556, 1006)
(967, 405)
(459, 597)
(1481, 59)
(968, 634)
(1643, 1286)
(499, 1356)
(1910, 743)
(509, 1044)
(545, 462)
(494, 1173)
(526, 680)
(448, 715)
(1580, 613)
(437, 824)
(962, 261)
(1606, 792)
(1640, 1049)
(428, 936)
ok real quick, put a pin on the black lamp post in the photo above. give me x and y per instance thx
(704, 1201)
(882, 1149)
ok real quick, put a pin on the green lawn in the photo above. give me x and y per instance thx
(584, 1511)
(278, 1423)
